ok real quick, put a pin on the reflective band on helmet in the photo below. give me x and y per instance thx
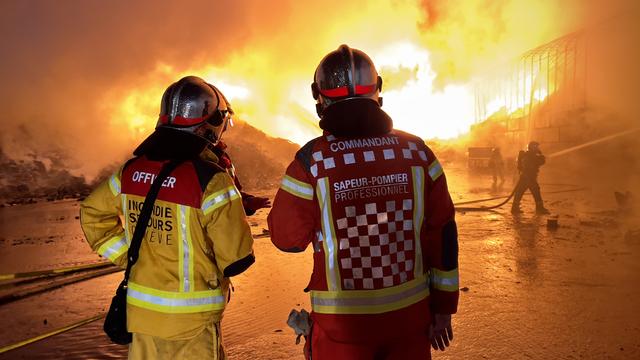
(365, 89)
(114, 185)
(179, 120)
(445, 280)
(114, 248)
(344, 91)
(175, 302)
(220, 198)
(435, 170)
(337, 92)
(417, 174)
(297, 188)
(329, 235)
(370, 301)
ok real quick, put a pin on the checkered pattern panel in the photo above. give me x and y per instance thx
(412, 150)
(376, 244)
(320, 161)
(326, 160)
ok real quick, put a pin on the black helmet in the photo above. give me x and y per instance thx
(194, 106)
(345, 74)
(533, 146)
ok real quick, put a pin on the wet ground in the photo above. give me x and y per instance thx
(528, 292)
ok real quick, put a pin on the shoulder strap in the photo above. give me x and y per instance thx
(145, 214)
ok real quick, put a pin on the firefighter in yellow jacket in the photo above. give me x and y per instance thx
(197, 236)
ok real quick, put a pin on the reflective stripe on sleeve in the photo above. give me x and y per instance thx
(435, 170)
(114, 185)
(219, 199)
(175, 302)
(417, 173)
(329, 235)
(370, 301)
(445, 280)
(297, 188)
(113, 248)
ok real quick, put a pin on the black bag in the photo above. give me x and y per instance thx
(115, 324)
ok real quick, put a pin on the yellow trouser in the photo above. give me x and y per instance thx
(205, 345)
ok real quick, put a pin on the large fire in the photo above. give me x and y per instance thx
(427, 53)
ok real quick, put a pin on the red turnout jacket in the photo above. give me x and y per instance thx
(379, 216)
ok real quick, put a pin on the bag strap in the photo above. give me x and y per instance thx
(145, 215)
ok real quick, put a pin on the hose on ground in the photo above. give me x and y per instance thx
(50, 334)
(507, 199)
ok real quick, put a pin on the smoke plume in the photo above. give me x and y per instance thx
(82, 79)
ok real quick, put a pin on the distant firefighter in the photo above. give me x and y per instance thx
(529, 163)
(496, 164)
(196, 236)
(373, 203)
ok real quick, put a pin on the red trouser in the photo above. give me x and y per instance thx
(409, 348)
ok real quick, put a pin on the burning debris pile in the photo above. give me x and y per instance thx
(25, 181)
(260, 160)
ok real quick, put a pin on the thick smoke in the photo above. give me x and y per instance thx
(68, 67)
(60, 58)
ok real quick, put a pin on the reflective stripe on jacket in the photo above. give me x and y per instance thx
(197, 232)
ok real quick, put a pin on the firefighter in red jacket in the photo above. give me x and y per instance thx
(374, 204)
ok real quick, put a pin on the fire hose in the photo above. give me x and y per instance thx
(54, 272)
(4, 299)
(558, 153)
(508, 198)
(484, 208)
(50, 334)
(58, 277)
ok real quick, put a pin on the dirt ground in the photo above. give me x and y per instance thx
(528, 291)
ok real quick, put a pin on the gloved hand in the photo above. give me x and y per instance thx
(300, 322)
(254, 202)
(440, 331)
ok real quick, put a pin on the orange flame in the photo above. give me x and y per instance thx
(268, 80)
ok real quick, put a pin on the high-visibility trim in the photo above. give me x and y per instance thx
(370, 301)
(127, 232)
(445, 280)
(185, 250)
(113, 248)
(417, 173)
(114, 184)
(192, 272)
(330, 243)
(175, 302)
(435, 170)
(297, 187)
(219, 199)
